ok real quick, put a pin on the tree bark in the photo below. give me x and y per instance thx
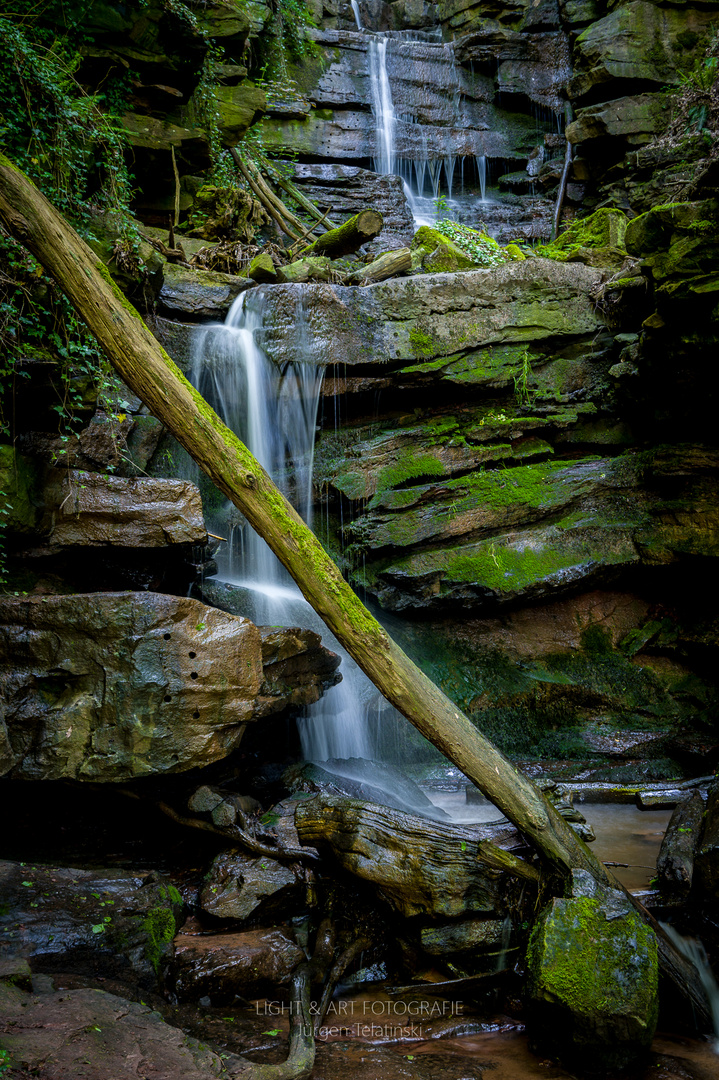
(386, 266)
(141, 362)
(349, 237)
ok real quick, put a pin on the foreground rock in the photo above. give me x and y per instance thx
(68, 1034)
(220, 966)
(58, 916)
(110, 686)
(593, 979)
(236, 886)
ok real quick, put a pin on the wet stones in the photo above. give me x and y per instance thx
(237, 886)
(59, 915)
(219, 966)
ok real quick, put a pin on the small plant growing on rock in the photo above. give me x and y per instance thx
(480, 247)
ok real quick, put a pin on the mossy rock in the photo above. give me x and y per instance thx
(652, 232)
(262, 270)
(311, 268)
(680, 243)
(238, 108)
(592, 981)
(435, 253)
(597, 240)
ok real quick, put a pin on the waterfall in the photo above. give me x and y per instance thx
(382, 106)
(695, 952)
(273, 410)
(356, 12)
(417, 164)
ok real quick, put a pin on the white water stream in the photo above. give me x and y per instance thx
(423, 170)
(274, 411)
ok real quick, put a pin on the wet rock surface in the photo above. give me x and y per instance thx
(57, 917)
(236, 886)
(91, 509)
(219, 966)
(423, 318)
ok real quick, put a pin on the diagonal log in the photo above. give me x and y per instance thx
(141, 362)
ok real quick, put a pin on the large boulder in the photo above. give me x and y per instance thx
(615, 49)
(109, 686)
(633, 119)
(592, 979)
(434, 315)
(199, 294)
(93, 509)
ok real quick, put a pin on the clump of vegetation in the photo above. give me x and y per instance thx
(480, 247)
(69, 142)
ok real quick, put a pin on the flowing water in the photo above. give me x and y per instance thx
(424, 72)
(273, 409)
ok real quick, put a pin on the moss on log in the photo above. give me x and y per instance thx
(349, 237)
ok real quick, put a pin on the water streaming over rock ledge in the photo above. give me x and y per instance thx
(273, 409)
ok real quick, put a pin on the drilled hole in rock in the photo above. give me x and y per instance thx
(193, 674)
(167, 636)
(192, 655)
(196, 715)
(167, 698)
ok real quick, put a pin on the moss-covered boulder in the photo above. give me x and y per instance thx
(435, 253)
(262, 270)
(680, 245)
(597, 240)
(592, 979)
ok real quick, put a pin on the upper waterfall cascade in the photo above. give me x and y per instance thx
(429, 63)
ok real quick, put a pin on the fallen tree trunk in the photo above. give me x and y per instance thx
(385, 266)
(349, 237)
(141, 362)
(280, 219)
